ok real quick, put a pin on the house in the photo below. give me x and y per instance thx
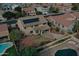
(10, 6)
(30, 11)
(63, 7)
(4, 34)
(65, 22)
(33, 25)
(43, 9)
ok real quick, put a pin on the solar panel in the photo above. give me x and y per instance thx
(31, 20)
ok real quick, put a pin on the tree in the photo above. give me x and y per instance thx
(29, 51)
(57, 10)
(38, 12)
(75, 6)
(15, 34)
(9, 15)
(76, 27)
(19, 12)
(18, 9)
(53, 10)
(57, 29)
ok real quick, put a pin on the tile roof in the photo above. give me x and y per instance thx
(76, 14)
(3, 29)
(65, 19)
(28, 9)
(27, 41)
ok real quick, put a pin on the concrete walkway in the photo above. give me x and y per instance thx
(50, 45)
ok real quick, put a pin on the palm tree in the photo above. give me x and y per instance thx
(15, 35)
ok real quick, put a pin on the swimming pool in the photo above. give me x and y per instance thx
(4, 47)
(66, 52)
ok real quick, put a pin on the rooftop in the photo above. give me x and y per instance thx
(28, 9)
(3, 30)
(33, 20)
(65, 19)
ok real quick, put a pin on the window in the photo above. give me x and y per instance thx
(31, 26)
(45, 31)
(36, 25)
(44, 23)
(7, 8)
(55, 22)
(58, 24)
(62, 26)
(24, 27)
(31, 31)
(37, 31)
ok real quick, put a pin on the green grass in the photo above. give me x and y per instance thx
(11, 52)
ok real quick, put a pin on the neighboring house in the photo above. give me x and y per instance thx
(33, 25)
(4, 34)
(43, 9)
(29, 11)
(10, 6)
(64, 22)
(63, 7)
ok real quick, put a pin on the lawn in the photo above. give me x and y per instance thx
(10, 52)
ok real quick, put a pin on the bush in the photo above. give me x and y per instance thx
(57, 29)
(9, 15)
(15, 34)
(53, 10)
(29, 51)
(11, 52)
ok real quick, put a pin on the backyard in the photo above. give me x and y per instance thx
(34, 41)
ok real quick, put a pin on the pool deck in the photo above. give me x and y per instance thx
(11, 44)
(65, 45)
(52, 51)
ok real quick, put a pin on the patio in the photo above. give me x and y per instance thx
(34, 41)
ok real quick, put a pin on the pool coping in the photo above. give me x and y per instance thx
(11, 44)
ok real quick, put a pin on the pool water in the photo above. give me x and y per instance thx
(4, 47)
(66, 52)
